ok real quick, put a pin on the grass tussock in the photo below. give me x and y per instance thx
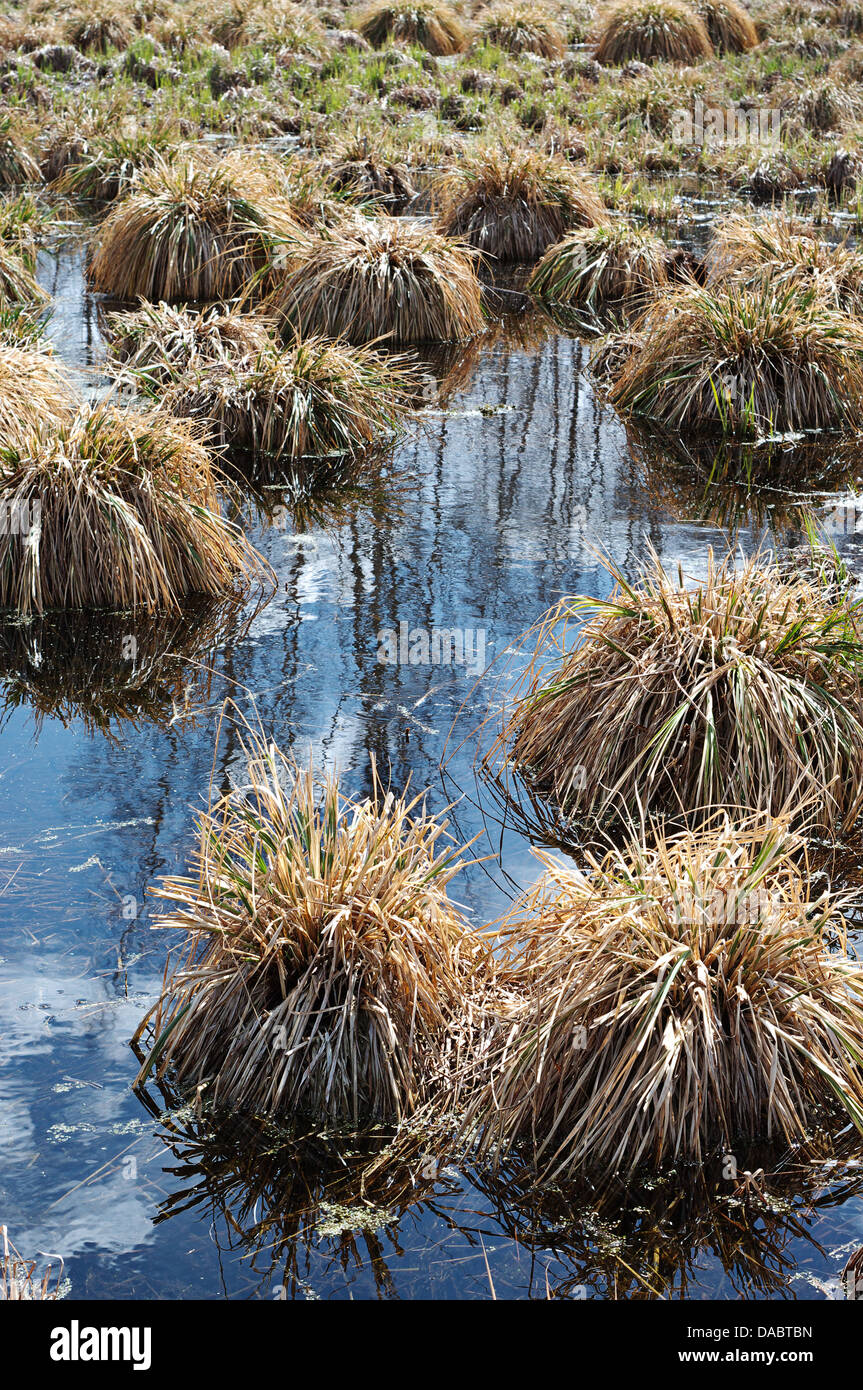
(159, 342)
(24, 226)
(381, 278)
(229, 371)
(34, 390)
(821, 107)
(291, 27)
(294, 191)
(191, 229)
(745, 360)
(424, 23)
(24, 223)
(363, 173)
(20, 328)
(104, 167)
(519, 28)
(17, 164)
(652, 29)
(311, 399)
(741, 691)
(324, 959)
(18, 284)
(728, 24)
(98, 28)
(669, 1001)
(118, 510)
(601, 266)
(514, 205)
(743, 251)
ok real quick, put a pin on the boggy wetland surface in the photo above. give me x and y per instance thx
(494, 505)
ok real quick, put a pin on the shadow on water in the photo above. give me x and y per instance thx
(485, 514)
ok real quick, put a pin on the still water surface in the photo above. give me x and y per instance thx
(484, 516)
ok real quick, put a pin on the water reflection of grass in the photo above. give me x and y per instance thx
(308, 1208)
(735, 486)
(320, 494)
(283, 1194)
(447, 369)
(107, 668)
(658, 1236)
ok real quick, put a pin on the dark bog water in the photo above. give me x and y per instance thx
(483, 518)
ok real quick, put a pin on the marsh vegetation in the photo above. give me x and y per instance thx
(537, 324)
